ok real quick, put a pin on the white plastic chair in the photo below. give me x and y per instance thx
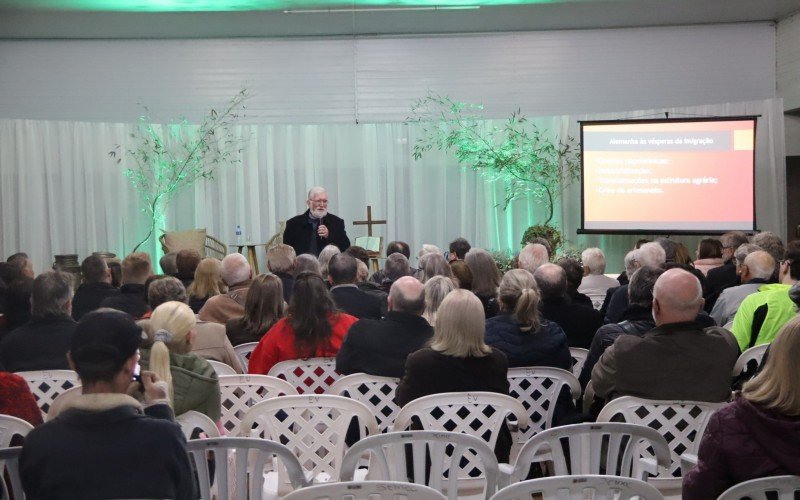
(446, 452)
(310, 376)
(46, 385)
(480, 414)
(243, 351)
(375, 392)
(580, 488)
(538, 388)
(248, 458)
(749, 360)
(780, 487)
(682, 423)
(10, 427)
(221, 368)
(366, 490)
(239, 393)
(613, 449)
(193, 421)
(62, 400)
(9, 464)
(313, 427)
(579, 355)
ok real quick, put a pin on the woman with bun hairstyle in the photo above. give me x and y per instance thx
(192, 381)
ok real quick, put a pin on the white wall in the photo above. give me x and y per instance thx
(788, 62)
(376, 79)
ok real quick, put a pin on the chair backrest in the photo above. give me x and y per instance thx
(46, 385)
(366, 490)
(614, 449)
(237, 459)
(579, 488)
(579, 355)
(682, 423)
(10, 481)
(193, 423)
(749, 360)
(778, 487)
(243, 351)
(62, 400)
(221, 368)
(310, 376)
(238, 393)
(452, 459)
(313, 427)
(10, 427)
(538, 388)
(375, 392)
(480, 414)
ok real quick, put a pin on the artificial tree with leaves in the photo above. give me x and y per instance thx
(168, 158)
(531, 162)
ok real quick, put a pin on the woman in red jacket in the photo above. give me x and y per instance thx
(758, 435)
(313, 327)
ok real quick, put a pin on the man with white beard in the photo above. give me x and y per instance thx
(312, 230)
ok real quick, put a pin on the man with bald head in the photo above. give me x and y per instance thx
(578, 321)
(754, 268)
(677, 359)
(380, 347)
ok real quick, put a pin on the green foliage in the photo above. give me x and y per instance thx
(529, 160)
(503, 259)
(545, 231)
(165, 159)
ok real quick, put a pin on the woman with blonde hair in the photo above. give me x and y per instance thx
(263, 308)
(207, 283)
(758, 434)
(457, 360)
(193, 384)
(485, 279)
(436, 289)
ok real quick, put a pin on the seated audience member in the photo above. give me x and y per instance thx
(574, 272)
(426, 250)
(263, 308)
(360, 253)
(207, 283)
(462, 275)
(371, 287)
(773, 245)
(675, 360)
(625, 275)
(95, 289)
(380, 346)
(236, 273)
(210, 340)
(395, 267)
(17, 400)
(168, 263)
(532, 256)
(325, 257)
(18, 302)
(762, 314)
(457, 360)
(187, 261)
(637, 319)
(630, 268)
(105, 444)
(435, 265)
(670, 249)
(436, 289)
(724, 276)
(136, 268)
(281, 262)
(307, 263)
(578, 322)
(342, 274)
(518, 331)
(758, 435)
(312, 328)
(192, 381)
(22, 262)
(459, 248)
(485, 279)
(393, 247)
(708, 255)
(115, 267)
(651, 255)
(682, 256)
(754, 271)
(595, 284)
(43, 342)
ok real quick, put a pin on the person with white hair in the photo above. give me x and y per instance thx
(650, 254)
(754, 269)
(595, 284)
(532, 256)
(236, 273)
(676, 360)
(315, 228)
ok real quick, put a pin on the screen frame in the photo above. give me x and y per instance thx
(664, 231)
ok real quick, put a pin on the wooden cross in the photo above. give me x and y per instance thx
(369, 222)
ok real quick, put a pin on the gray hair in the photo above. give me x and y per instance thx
(743, 250)
(594, 260)
(428, 248)
(651, 255)
(363, 271)
(315, 191)
(325, 257)
(640, 286)
(770, 243)
(306, 262)
(51, 293)
(166, 289)
(532, 256)
(235, 269)
(760, 263)
(733, 239)
(396, 266)
(670, 248)
(630, 262)
(436, 289)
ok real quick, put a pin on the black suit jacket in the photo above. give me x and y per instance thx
(298, 234)
(89, 296)
(579, 322)
(356, 303)
(380, 347)
(40, 344)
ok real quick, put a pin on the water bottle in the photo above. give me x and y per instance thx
(239, 240)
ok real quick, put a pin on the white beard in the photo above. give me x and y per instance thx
(319, 214)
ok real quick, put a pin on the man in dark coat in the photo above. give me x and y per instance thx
(132, 298)
(380, 347)
(724, 276)
(342, 272)
(315, 228)
(578, 322)
(95, 288)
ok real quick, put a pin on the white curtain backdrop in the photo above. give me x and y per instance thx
(60, 192)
